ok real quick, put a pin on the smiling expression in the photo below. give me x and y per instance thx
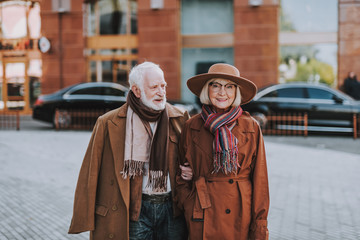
(222, 94)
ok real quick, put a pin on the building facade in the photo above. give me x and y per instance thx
(101, 40)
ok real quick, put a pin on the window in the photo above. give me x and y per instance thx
(207, 17)
(112, 17)
(308, 41)
(320, 94)
(88, 91)
(287, 93)
(114, 92)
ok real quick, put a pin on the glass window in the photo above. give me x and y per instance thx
(272, 94)
(206, 17)
(320, 94)
(13, 24)
(34, 21)
(303, 57)
(114, 92)
(290, 93)
(112, 17)
(309, 15)
(89, 91)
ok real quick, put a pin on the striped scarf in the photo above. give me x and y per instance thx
(225, 149)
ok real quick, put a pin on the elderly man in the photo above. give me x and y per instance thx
(127, 178)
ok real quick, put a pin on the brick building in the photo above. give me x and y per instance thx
(100, 40)
(158, 31)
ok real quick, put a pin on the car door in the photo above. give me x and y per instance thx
(328, 108)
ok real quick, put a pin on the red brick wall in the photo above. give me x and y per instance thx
(159, 41)
(256, 41)
(71, 51)
(348, 39)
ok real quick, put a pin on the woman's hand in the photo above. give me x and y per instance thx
(186, 172)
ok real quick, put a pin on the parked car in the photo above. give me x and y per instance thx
(91, 95)
(328, 110)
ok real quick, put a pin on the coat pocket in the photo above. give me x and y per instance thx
(101, 210)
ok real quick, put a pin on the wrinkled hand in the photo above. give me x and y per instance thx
(186, 171)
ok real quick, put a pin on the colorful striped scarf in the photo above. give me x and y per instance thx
(225, 149)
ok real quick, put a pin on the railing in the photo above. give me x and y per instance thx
(83, 119)
(356, 125)
(286, 124)
(10, 120)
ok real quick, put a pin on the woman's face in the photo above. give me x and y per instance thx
(222, 94)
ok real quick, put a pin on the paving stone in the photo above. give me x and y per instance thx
(314, 191)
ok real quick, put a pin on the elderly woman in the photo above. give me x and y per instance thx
(227, 195)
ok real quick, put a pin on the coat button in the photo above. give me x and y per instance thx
(231, 181)
(114, 208)
(111, 235)
(112, 182)
(227, 211)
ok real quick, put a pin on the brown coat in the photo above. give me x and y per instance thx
(102, 198)
(219, 206)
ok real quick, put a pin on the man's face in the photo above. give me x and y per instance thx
(153, 92)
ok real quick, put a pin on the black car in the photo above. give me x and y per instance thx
(91, 95)
(328, 110)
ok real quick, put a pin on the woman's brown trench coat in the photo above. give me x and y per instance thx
(102, 197)
(219, 206)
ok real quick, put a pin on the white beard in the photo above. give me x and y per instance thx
(149, 103)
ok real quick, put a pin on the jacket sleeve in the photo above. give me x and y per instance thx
(183, 188)
(85, 194)
(260, 199)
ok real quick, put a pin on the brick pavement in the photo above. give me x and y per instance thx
(314, 191)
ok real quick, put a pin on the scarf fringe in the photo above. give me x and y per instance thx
(133, 168)
(226, 161)
(157, 181)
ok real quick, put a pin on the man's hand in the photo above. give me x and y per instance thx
(186, 171)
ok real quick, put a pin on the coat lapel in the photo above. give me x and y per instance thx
(117, 127)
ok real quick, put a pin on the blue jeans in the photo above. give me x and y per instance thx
(156, 222)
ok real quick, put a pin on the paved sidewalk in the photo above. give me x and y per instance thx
(315, 192)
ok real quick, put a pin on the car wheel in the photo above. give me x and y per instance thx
(62, 119)
(260, 118)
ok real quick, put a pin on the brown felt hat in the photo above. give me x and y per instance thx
(226, 71)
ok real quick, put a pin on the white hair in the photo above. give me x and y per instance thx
(205, 99)
(136, 76)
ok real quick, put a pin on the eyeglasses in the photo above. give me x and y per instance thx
(216, 87)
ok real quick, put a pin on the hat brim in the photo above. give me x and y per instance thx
(247, 88)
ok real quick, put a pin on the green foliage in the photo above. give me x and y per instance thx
(296, 52)
(307, 72)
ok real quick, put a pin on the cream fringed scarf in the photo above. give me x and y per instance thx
(158, 164)
(137, 145)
